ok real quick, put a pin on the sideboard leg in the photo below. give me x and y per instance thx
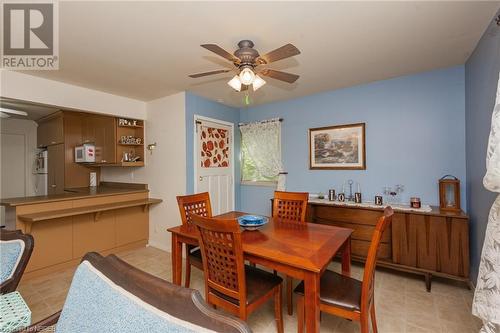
(428, 281)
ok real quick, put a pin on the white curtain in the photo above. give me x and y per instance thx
(262, 141)
(486, 303)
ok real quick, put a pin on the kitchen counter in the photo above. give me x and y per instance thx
(110, 218)
(105, 189)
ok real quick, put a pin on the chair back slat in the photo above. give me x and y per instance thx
(198, 204)
(221, 249)
(371, 260)
(290, 205)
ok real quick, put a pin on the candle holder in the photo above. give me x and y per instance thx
(449, 193)
(350, 182)
(357, 197)
(341, 197)
(331, 195)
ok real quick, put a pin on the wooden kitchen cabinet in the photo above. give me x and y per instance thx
(90, 234)
(101, 131)
(75, 174)
(105, 143)
(55, 177)
(50, 130)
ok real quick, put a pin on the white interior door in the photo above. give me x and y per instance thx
(214, 162)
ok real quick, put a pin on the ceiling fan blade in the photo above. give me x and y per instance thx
(282, 76)
(194, 76)
(221, 52)
(286, 51)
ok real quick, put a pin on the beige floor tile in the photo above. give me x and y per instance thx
(388, 322)
(402, 303)
(411, 328)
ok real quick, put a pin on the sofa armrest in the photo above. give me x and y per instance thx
(166, 296)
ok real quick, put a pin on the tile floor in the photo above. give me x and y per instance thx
(401, 301)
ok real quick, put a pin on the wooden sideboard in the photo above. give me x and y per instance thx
(426, 243)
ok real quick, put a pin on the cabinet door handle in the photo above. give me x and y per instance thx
(104, 161)
(53, 142)
(53, 185)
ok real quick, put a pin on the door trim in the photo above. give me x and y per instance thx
(195, 151)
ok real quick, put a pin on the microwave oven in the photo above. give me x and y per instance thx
(85, 153)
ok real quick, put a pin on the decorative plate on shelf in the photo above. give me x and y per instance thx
(252, 222)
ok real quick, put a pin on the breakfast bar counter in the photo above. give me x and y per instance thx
(109, 218)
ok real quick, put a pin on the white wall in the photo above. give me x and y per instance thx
(26, 128)
(165, 169)
(35, 89)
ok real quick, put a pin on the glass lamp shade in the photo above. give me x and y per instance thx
(258, 82)
(247, 76)
(235, 83)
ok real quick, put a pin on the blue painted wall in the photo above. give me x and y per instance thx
(415, 133)
(481, 77)
(196, 105)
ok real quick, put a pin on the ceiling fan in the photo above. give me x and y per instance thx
(246, 59)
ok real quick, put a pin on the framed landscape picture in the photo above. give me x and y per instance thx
(337, 147)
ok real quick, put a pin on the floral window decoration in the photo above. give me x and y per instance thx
(214, 144)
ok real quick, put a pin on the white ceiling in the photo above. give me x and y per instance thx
(145, 50)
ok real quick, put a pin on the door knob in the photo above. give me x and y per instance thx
(201, 178)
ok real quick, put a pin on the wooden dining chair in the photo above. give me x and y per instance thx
(346, 297)
(290, 206)
(198, 204)
(229, 283)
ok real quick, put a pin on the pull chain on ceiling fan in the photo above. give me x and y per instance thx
(246, 60)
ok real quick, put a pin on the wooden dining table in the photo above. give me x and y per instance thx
(300, 250)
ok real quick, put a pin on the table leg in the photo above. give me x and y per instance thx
(346, 257)
(176, 260)
(311, 301)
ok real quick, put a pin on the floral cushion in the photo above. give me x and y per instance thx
(10, 255)
(96, 304)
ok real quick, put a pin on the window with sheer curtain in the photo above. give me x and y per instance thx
(261, 152)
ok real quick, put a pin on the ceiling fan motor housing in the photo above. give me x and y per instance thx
(246, 53)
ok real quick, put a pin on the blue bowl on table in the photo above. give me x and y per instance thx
(252, 222)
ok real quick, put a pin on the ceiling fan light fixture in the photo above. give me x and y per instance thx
(258, 82)
(247, 76)
(235, 83)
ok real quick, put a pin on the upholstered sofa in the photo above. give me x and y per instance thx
(109, 295)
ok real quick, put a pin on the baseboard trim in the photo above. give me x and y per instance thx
(160, 246)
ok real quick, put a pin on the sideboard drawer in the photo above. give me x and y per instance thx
(353, 215)
(360, 248)
(361, 231)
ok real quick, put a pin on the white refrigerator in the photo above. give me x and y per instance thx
(41, 173)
